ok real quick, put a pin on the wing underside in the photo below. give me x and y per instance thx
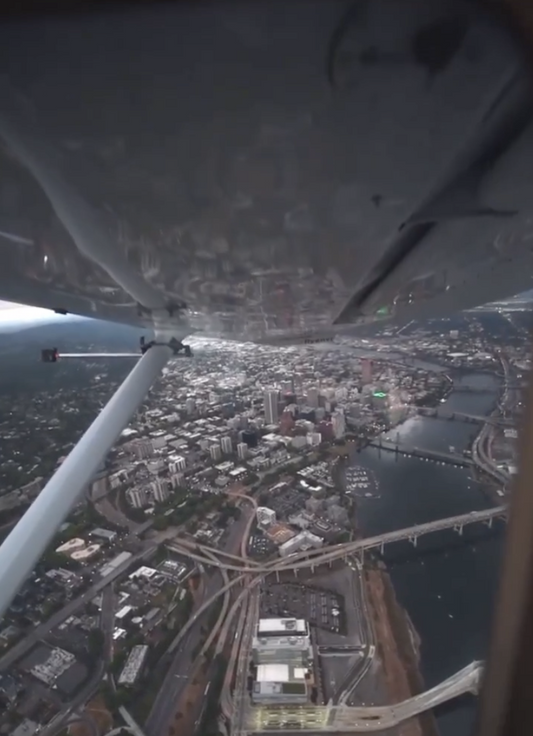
(318, 168)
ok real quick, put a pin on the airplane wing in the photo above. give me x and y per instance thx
(265, 173)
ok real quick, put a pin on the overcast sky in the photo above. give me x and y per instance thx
(19, 314)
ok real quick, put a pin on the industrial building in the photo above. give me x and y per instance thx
(281, 641)
(106, 534)
(280, 683)
(58, 662)
(281, 651)
(113, 564)
(302, 541)
(132, 669)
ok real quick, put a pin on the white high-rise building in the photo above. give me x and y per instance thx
(265, 516)
(177, 464)
(271, 399)
(190, 406)
(215, 452)
(227, 446)
(338, 423)
(242, 450)
(160, 490)
(137, 497)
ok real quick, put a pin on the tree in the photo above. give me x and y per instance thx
(160, 523)
(95, 642)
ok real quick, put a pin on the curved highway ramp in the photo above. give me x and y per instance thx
(344, 718)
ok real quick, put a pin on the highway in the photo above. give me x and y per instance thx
(39, 632)
(241, 700)
(178, 674)
(344, 718)
(241, 644)
(322, 555)
(480, 451)
(356, 673)
(68, 713)
(179, 669)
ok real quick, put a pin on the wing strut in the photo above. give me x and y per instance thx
(26, 543)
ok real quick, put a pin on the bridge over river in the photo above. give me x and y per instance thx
(321, 555)
(464, 417)
(344, 718)
(424, 453)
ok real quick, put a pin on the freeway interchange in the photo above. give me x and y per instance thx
(319, 556)
(238, 717)
(234, 629)
(345, 718)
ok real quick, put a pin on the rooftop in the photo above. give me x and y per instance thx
(276, 626)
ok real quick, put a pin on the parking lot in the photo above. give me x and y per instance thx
(322, 608)
(261, 547)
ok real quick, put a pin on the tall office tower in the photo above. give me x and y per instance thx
(190, 406)
(215, 452)
(160, 489)
(177, 463)
(249, 437)
(242, 450)
(271, 399)
(312, 396)
(366, 370)
(339, 424)
(227, 447)
(137, 497)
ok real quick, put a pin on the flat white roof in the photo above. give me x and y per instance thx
(282, 625)
(279, 672)
(123, 612)
(272, 673)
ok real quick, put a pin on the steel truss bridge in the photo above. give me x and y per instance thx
(344, 718)
(319, 556)
(465, 417)
(422, 452)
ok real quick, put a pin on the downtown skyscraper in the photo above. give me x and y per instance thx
(271, 400)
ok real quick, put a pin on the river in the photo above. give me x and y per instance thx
(448, 583)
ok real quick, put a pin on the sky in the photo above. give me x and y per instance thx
(18, 314)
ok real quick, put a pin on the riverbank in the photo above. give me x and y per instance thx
(398, 647)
